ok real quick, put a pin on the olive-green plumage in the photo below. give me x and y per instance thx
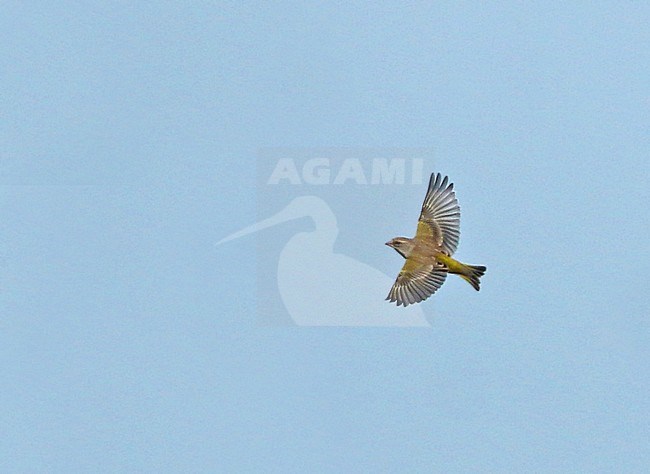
(428, 254)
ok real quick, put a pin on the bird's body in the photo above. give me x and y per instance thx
(429, 254)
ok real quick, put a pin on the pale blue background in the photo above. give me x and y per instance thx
(128, 140)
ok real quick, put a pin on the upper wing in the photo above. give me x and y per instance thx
(440, 216)
(416, 282)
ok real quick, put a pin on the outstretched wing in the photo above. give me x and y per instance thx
(440, 216)
(416, 282)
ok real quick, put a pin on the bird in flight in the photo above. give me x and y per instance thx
(428, 254)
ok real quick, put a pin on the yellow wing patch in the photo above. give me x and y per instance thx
(410, 266)
(428, 230)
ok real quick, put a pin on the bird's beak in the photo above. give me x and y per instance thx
(390, 243)
(284, 215)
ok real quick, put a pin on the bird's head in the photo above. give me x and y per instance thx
(403, 246)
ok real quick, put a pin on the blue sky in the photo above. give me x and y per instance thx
(129, 143)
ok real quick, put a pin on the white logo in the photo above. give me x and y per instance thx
(302, 278)
(319, 171)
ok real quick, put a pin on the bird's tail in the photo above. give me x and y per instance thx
(472, 275)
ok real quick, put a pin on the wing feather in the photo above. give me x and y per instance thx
(416, 282)
(440, 215)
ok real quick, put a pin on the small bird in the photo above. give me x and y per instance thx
(428, 254)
